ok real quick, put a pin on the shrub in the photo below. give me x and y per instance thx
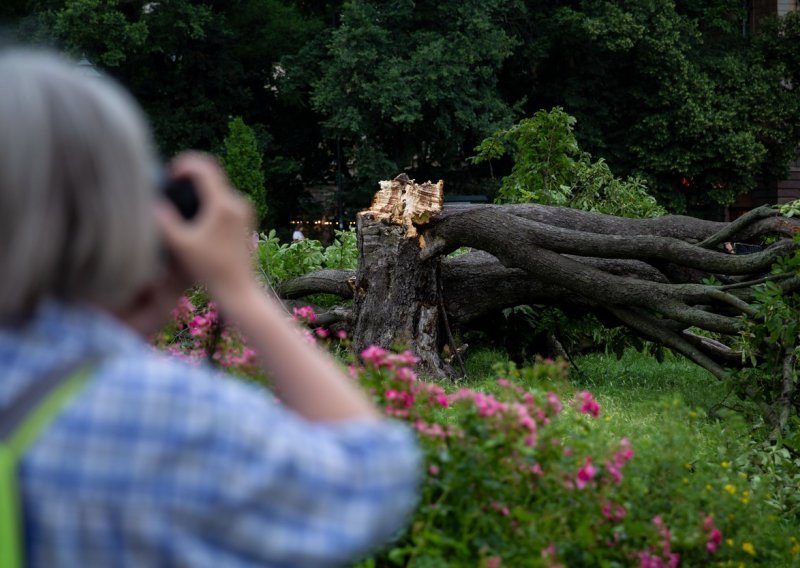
(281, 261)
(527, 473)
(529, 477)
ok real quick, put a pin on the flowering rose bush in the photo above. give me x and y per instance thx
(530, 477)
(525, 473)
(194, 331)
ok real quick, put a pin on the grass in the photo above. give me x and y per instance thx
(644, 400)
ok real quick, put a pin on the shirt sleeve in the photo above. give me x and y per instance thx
(250, 479)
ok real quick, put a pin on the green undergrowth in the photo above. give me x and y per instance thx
(683, 421)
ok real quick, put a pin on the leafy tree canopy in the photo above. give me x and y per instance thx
(677, 92)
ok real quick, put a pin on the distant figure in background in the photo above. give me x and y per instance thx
(298, 234)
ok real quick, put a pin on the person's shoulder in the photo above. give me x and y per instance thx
(149, 374)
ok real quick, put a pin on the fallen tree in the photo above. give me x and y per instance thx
(645, 274)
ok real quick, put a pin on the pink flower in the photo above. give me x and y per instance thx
(406, 374)
(375, 355)
(304, 313)
(549, 552)
(588, 404)
(585, 474)
(494, 562)
(321, 332)
(406, 358)
(433, 470)
(714, 534)
(341, 334)
(555, 402)
(714, 540)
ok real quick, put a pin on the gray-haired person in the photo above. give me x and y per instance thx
(153, 462)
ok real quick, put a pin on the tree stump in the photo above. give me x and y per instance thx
(397, 300)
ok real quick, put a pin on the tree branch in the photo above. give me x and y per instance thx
(338, 282)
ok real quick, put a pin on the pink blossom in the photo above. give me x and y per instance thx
(406, 374)
(321, 332)
(494, 562)
(555, 402)
(375, 355)
(503, 382)
(549, 552)
(341, 334)
(585, 474)
(405, 358)
(588, 404)
(441, 400)
(433, 470)
(714, 534)
(714, 540)
(304, 313)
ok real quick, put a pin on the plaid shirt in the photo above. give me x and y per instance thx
(156, 463)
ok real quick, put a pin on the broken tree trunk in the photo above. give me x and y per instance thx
(396, 298)
(645, 274)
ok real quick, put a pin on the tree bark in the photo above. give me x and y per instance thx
(646, 273)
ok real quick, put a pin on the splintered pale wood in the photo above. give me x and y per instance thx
(402, 201)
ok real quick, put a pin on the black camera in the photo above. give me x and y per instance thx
(182, 193)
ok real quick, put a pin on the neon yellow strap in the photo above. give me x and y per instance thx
(11, 542)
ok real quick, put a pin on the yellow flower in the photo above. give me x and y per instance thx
(749, 548)
(745, 497)
(795, 548)
(729, 541)
(709, 488)
(730, 489)
(692, 414)
(725, 465)
(686, 481)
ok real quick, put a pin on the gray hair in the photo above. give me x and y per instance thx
(77, 189)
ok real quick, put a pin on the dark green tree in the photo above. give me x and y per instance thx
(410, 85)
(242, 161)
(671, 91)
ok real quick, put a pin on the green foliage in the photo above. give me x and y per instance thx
(544, 151)
(343, 253)
(549, 168)
(769, 338)
(281, 261)
(791, 209)
(105, 25)
(564, 488)
(667, 90)
(242, 162)
(410, 83)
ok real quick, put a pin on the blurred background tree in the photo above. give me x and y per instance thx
(242, 162)
(678, 93)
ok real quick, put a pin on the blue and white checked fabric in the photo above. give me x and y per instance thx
(157, 463)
